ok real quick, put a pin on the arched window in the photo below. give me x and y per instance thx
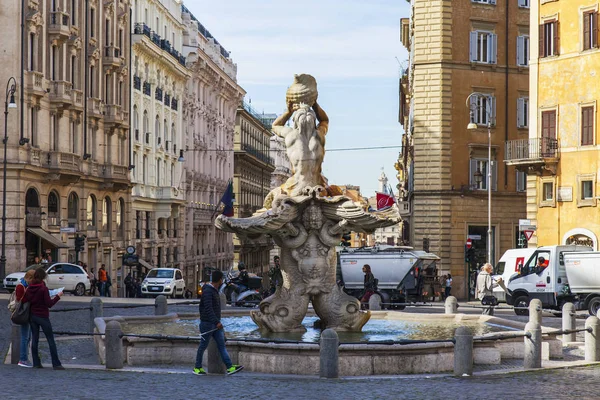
(145, 122)
(157, 129)
(136, 123)
(145, 171)
(53, 209)
(106, 216)
(91, 211)
(120, 214)
(173, 139)
(166, 131)
(72, 210)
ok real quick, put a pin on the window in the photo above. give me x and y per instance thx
(524, 3)
(33, 126)
(92, 16)
(522, 112)
(53, 209)
(483, 47)
(549, 142)
(587, 190)
(587, 193)
(106, 216)
(523, 51)
(72, 209)
(483, 107)
(480, 166)
(138, 224)
(549, 40)
(548, 191)
(590, 30)
(119, 216)
(521, 181)
(587, 126)
(91, 212)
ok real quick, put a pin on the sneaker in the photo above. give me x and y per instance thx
(199, 371)
(24, 364)
(234, 368)
(59, 368)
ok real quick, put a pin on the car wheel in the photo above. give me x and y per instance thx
(79, 289)
(520, 302)
(594, 306)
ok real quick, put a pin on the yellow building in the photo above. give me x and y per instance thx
(561, 155)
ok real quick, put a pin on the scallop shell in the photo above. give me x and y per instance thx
(303, 90)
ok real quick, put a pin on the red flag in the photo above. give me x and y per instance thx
(384, 201)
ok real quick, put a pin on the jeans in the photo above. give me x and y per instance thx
(25, 339)
(447, 289)
(44, 323)
(219, 336)
(101, 288)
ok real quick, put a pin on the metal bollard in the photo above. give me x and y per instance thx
(535, 311)
(160, 304)
(533, 346)
(113, 345)
(329, 353)
(96, 311)
(214, 362)
(568, 322)
(463, 352)
(592, 339)
(223, 300)
(451, 305)
(15, 343)
(375, 302)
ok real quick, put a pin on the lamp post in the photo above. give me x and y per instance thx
(11, 88)
(473, 125)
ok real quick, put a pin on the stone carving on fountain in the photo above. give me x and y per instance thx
(306, 217)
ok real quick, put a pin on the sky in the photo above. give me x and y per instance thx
(351, 47)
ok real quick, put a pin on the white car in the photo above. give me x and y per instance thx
(70, 276)
(165, 281)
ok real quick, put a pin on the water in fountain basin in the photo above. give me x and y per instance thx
(374, 330)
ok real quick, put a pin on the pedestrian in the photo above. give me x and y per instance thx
(484, 289)
(102, 278)
(25, 329)
(138, 288)
(36, 260)
(107, 290)
(93, 281)
(370, 285)
(448, 285)
(276, 275)
(210, 325)
(128, 286)
(38, 296)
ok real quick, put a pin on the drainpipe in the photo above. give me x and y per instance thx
(506, 96)
(131, 166)
(22, 91)
(86, 44)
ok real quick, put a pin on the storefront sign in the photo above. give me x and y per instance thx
(581, 240)
(564, 193)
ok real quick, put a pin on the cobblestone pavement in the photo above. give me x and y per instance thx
(580, 383)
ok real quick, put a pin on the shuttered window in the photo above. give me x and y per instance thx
(483, 47)
(549, 39)
(522, 112)
(523, 51)
(587, 126)
(482, 166)
(549, 124)
(483, 109)
(590, 30)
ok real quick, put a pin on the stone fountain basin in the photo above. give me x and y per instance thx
(303, 359)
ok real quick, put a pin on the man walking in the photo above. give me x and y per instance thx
(210, 325)
(485, 287)
(102, 279)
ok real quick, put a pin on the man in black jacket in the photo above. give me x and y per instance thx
(210, 325)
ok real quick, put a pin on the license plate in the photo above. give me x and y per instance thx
(155, 289)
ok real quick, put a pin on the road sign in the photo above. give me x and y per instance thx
(527, 228)
(469, 243)
(68, 229)
(474, 237)
(524, 222)
(528, 234)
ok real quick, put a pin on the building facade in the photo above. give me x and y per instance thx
(253, 169)
(212, 96)
(459, 50)
(159, 78)
(68, 139)
(561, 153)
(390, 235)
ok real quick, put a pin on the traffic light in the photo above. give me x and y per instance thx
(469, 253)
(346, 238)
(79, 242)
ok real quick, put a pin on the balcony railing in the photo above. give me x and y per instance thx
(137, 82)
(174, 104)
(147, 88)
(532, 149)
(257, 154)
(266, 122)
(158, 94)
(143, 29)
(167, 99)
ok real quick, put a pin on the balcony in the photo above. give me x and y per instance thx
(116, 172)
(536, 155)
(77, 99)
(174, 104)
(65, 167)
(33, 82)
(137, 83)
(167, 99)
(112, 57)
(168, 193)
(114, 115)
(60, 92)
(97, 108)
(158, 94)
(59, 25)
(202, 217)
(147, 88)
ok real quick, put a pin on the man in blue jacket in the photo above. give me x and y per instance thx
(210, 325)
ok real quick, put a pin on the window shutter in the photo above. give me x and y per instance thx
(527, 53)
(493, 48)
(520, 112)
(542, 48)
(594, 17)
(472, 170)
(473, 47)
(473, 108)
(520, 48)
(492, 102)
(586, 31)
(556, 39)
(492, 1)
(494, 175)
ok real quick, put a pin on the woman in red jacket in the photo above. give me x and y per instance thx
(25, 329)
(38, 296)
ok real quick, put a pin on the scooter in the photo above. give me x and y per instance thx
(249, 297)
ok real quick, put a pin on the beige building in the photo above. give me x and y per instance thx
(209, 109)
(458, 50)
(253, 167)
(68, 138)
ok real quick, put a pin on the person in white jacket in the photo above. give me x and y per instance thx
(485, 286)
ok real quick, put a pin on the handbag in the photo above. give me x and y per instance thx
(20, 315)
(489, 301)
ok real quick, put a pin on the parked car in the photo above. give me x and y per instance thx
(165, 281)
(70, 276)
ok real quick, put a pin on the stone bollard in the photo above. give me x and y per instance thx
(533, 346)
(160, 304)
(223, 300)
(592, 339)
(96, 311)
(113, 345)
(15, 343)
(463, 352)
(535, 311)
(568, 322)
(329, 353)
(214, 363)
(451, 305)
(375, 302)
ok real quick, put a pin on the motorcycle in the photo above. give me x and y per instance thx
(239, 294)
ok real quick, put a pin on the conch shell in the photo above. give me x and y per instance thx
(303, 90)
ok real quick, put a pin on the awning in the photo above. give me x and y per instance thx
(145, 263)
(48, 237)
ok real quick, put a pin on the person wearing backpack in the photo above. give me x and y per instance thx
(25, 329)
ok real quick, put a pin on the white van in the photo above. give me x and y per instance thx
(510, 264)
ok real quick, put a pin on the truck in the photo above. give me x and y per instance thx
(544, 276)
(510, 263)
(583, 271)
(403, 274)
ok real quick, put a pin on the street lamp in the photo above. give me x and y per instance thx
(478, 175)
(9, 102)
